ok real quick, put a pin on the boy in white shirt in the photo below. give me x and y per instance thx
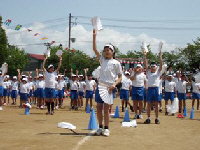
(90, 87)
(170, 88)
(153, 76)
(50, 81)
(195, 93)
(14, 87)
(138, 79)
(61, 85)
(5, 89)
(125, 90)
(1, 87)
(81, 90)
(31, 86)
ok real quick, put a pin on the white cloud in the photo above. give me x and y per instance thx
(124, 41)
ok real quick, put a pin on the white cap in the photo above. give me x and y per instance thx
(110, 46)
(73, 75)
(30, 77)
(62, 75)
(40, 75)
(153, 65)
(139, 65)
(14, 77)
(50, 66)
(126, 72)
(80, 75)
(25, 79)
(7, 76)
(59, 75)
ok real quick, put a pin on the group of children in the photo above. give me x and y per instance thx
(144, 84)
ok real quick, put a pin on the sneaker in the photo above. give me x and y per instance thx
(99, 132)
(1, 108)
(140, 116)
(173, 114)
(148, 121)
(160, 110)
(157, 121)
(42, 107)
(135, 117)
(56, 107)
(144, 110)
(4, 104)
(52, 112)
(106, 132)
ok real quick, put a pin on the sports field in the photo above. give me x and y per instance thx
(39, 131)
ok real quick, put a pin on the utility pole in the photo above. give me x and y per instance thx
(70, 17)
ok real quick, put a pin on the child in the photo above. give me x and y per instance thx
(24, 89)
(61, 85)
(74, 85)
(195, 93)
(14, 87)
(138, 79)
(50, 80)
(124, 92)
(31, 86)
(40, 86)
(81, 90)
(90, 87)
(1, 87)
(170, 89)
(110, 76)
(153, 76)
(5, 89)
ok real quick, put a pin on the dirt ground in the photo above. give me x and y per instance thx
(39, 131)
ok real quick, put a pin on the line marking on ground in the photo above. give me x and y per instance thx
(84, 140)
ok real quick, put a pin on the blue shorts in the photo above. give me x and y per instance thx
(56, 94)
(80, 93)
(35, 93)
(60, 94)
(9, 92)
(152, 94)
(98, 97)
(31, 93)
(137, 93)
(160, 97)
(124, 94)
(145, 94)
(40, 93)
(5, 92)
(49, 92)
(1, 90)
(74, 95)
(195, 95)
(23, 96)
(89, 94)
(169, 96)
(181, 96)
(14, 94)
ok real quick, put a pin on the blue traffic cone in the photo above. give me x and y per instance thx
(88, 108)
(93, 122)
(126, 117)
(185, 112)
(192, 114)
(116, 112)
(27, 111)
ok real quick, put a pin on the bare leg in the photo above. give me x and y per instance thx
(148, 109)
(156, 109)
(106, 114)
(140, 107)
(99, 113)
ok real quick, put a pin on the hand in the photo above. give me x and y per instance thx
(61, 58)
(18, 70)
(111, 88)
(31, 72)
(71, 69)
(145, 53)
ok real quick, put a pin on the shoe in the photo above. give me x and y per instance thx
(1, 108)
(72, 107)
(157, 121)
(122, 109)
(48, 113)
(106, 132)
(4, 104)
(52, 112)
(140, 116)
(42, 107)
(160, 110)
(56, 107)
(148, 121)
(144, 110)
(166, 113)
(99, 132)
(135, 117)
(131, 108)
(172, 114)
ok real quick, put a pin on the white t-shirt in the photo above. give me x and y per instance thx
(90, 85)
(6, 84)
(195, 87)
(169, 86)
(81, 84)
(61, 84)
(175, 79)
(1, 80)
(14, 85)
(110, 69)
(50, 79)
(153, 79)
(31, 84)
(139, 80)
(73, 85)
(40, 84)
(182, 86)
(126, 83)
(24, 88)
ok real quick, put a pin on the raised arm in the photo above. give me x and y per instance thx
(95, 45)
(86, 78)
(44, 64)
(145, 61)
(161, 63)
(59, 65)
(71, 73)
(37, 72)
(19, 76)
(134, 75)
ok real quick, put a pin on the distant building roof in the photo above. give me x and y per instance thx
(36, 56)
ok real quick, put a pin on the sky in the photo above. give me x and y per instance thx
(126, 24)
